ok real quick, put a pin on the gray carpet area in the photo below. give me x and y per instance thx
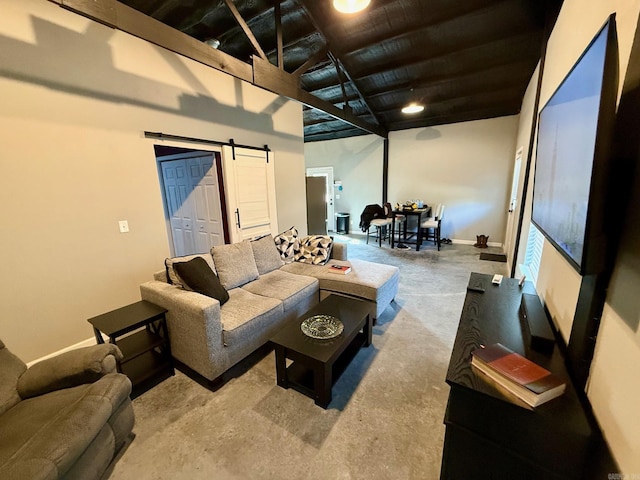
(385, 420)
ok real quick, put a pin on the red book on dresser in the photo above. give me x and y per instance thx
(520, 376)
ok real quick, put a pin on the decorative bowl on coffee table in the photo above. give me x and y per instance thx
(322, 327)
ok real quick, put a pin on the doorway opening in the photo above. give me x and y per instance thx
(193, 198)
(512, 224)
(323, 198)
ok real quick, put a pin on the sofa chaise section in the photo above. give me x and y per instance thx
(372, 282)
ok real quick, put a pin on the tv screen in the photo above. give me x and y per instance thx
(574, 133)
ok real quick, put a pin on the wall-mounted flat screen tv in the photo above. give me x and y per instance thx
(572, 167)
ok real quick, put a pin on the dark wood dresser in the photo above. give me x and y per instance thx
(490, 436)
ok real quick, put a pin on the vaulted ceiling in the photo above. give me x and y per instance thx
(463, 59)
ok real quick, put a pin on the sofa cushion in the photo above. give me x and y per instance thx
(288, 244)
(235, 264)
(173, 278)
(248, 318)
(314, 249)
(266, 254)
(199, 277)
(286, 287)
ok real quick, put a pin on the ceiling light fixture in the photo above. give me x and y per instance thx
(350, 6)
(413, 108)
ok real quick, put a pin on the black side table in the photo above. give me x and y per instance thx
(140, 331)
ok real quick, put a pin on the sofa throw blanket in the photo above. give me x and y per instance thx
(369, 213)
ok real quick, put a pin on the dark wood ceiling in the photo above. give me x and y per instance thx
(463, 59)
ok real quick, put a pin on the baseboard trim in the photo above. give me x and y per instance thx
(472, 242)
(453, 240)
(84, 343)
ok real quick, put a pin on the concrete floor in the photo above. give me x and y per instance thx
(385, 420)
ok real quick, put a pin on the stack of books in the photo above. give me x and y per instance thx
(520, 376)
(339, 269)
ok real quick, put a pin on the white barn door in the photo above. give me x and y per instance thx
(250, 192)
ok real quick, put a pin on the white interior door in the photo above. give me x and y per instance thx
(251, 193)
(208, 228)
(512, 215)
(192, 198)
(179, 205)
(327, 173)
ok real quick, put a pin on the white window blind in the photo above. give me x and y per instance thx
(533, 255)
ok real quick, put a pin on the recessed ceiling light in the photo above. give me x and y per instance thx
(350, 6)
(413, 108)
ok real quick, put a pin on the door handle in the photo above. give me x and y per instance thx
(238, 217)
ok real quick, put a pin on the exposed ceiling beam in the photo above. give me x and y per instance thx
(311, 61)
(262, 74)
(423, 29)
(279, 48)
(271, 78)
(319, 137)
(507, 72)
(478, 50)
(119, 16)
(245, 28)
(486, 95)
(467, 116)
(339, 60)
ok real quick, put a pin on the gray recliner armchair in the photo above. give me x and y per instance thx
(65, 417)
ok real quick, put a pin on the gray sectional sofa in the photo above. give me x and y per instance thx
(265, 289)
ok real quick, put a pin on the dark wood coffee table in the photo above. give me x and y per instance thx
(317, 364)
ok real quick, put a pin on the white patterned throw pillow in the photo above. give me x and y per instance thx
(315, 249)
(288, 244)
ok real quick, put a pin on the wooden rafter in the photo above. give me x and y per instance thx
(245, 28)
(338, 61)
(261, 74)
(311, 61)
(279, 49)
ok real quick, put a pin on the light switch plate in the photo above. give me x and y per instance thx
(124, 226)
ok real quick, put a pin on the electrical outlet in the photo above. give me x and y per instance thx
(124, 226)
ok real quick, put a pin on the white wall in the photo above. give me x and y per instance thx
(467, 166)
(614, 384)
(76, 99)
(357, 163)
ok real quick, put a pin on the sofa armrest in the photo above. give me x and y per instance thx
(339, 251)
(69, 369)
(195, 326)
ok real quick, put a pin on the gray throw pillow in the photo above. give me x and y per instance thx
(235, 264)
(266, 254)
(200, 278)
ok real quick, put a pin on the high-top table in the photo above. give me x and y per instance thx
(417, 212)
